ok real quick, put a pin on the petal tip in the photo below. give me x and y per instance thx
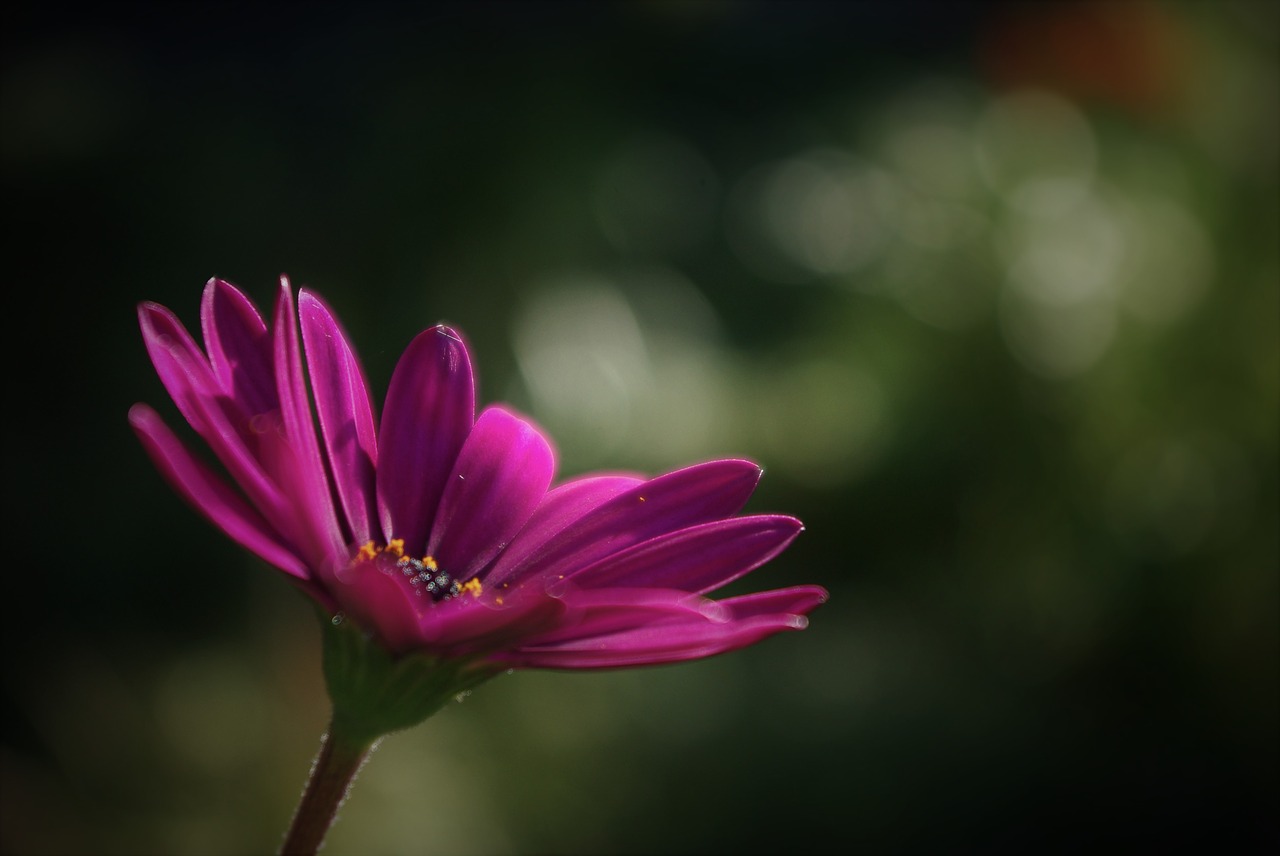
(140, 414)
(447, 332)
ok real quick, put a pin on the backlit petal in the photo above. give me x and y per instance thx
(559, 509)
(686, 497)
(239, 347)
(685, 636)
(311, 493)
(345, 413)
(697, 559)
(501, 475)
(429, 410)
(209, 494)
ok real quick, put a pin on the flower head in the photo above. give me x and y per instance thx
(438, 531)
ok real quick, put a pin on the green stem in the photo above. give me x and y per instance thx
(332, 773)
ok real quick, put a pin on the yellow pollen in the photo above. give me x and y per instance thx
(498, 601)
(396, 547)
(473, 585)
(367, 552)
(430, 563)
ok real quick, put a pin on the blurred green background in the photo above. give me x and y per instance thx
(989, 288)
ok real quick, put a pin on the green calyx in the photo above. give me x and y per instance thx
(375, 692)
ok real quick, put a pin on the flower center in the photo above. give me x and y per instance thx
(423, 575)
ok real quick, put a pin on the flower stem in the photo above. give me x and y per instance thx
(332, 773)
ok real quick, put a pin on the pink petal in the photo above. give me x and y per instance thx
(429, 411)
(346, 415)
(182, 366)
(209, 494)
(559, 508)
(677, 500)
(501, 475)
(597, 613)
(239, 347)
(217, 419)
(697, 559)
(309, 482)
(466, 626)
(687, 637)
(799, 600)
(382, 603)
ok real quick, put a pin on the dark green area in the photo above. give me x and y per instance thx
(1053, 563)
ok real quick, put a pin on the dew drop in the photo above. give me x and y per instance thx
(337, 619)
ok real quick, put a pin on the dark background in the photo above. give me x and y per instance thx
(989, 288)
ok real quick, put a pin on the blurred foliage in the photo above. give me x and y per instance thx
(989, 288)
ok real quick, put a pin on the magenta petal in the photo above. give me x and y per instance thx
(239, 347)
(311, 494)
(467, 626)
(182, 366)
(429, 411)
(380, 601)
(501, 475)
(687, 497)
(217, 419)
(687, 637)
(559, 508)
(696, 559)
(798, 600)
(599, 613)
(346, 415)
(209, 494)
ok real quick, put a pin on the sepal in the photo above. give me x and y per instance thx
(375, 692)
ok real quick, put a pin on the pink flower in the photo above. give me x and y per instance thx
(437, 531)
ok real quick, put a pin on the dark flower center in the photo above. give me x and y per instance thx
(429, 578)
(424, 576)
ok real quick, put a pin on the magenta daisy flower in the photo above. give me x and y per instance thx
(436, 536)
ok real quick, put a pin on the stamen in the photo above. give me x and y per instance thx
(423, 575)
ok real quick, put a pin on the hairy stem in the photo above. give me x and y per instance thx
(332, 773)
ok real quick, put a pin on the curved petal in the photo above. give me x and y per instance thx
(697, 559)
(687, 497)
(217, 419)
(210, 495)
(687, 636)
(311, 492)
(799, 600)
(602, 612)
(429, 411)
(381, 603)
(467, 626)
(501, 475)
(346, 415)
(182, 366)
(559, 508)
(239, 347)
